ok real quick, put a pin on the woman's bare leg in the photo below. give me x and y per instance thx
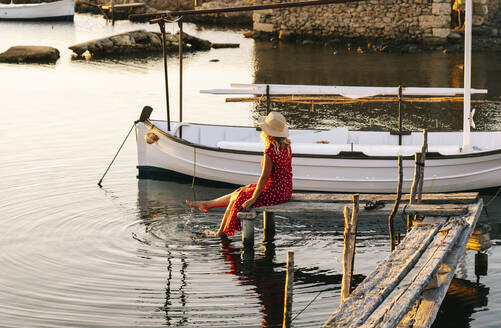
(205, 206)
(226, 217)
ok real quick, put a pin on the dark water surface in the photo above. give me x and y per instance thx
(131, 254)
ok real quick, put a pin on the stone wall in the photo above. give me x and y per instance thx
(406, 20)
(484, 10)
(403, 20)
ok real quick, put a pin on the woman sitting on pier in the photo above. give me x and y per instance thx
(274, 185)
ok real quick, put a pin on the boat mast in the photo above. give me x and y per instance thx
(467, 79)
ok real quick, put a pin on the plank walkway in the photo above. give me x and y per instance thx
(406, 288)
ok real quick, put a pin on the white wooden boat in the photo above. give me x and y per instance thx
(337, 160)
(351, 161)
(57, 10)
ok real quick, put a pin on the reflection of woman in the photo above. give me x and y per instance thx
(274, 185)
(269, 284)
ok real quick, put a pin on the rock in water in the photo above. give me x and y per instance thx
(30, 54)
(138, 43)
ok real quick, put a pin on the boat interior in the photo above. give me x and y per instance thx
(333, 141)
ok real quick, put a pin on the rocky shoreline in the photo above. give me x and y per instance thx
(485, 38)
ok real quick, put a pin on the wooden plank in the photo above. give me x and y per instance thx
(402, 298)
(337, 208)
(426, 308)
(456, 198)
(380, 282)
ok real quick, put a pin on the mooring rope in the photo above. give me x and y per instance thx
(194, 167)
(313, 300)
(494, 197)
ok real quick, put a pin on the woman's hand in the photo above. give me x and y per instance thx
(248, 203)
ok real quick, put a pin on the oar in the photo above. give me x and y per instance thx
(145, 114)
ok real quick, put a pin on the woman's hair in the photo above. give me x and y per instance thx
(276, 142)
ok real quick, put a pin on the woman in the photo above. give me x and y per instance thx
(274, 185)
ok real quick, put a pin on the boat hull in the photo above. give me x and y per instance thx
(63, 10)
(348, 171)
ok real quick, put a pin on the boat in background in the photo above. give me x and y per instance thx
(52, 11)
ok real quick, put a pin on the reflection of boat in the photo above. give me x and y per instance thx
(57, 10)
(336, 160)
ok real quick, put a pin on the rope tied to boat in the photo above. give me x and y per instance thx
(194, 167)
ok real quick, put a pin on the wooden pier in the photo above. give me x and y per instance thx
(407, 288)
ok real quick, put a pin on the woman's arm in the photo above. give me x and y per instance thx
(263, 179)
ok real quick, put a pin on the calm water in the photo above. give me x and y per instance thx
(131, 254)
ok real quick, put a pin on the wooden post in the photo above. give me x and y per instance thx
(399, 115)
(268, 99)
(350, 237)
(161, 24)
(180, 41)
(424, 149)
(481, 264)
(248, 232)
(289, 284)
(112, 13)
(391, 227)
(415, 183)
(268, 227)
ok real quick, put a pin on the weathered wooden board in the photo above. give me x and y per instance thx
(337, 208)
(426, 308)
(380, 282)
(456, 198)
(386, 299)
(402, 298)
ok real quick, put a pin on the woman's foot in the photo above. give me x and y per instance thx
(202, 206)
(220, 234)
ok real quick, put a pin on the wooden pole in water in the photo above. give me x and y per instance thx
(267, 99)
(161, 24)
(248, 233)
(350, 237)
(180, 24)
(268, 227)
(289, 284)
(391, 227)
(424, 149)
(415, 183)
(399, 115)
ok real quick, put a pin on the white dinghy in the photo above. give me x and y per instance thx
(336, 160)
(57, 10)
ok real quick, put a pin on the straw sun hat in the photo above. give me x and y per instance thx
(274, 125)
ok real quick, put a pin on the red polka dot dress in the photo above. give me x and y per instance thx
(277, 190)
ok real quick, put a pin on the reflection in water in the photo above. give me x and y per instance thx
(174, 233)
(178, 313)
(463, 299)
(160, 208)
(285, 63)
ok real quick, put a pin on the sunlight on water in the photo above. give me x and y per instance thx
(132, 254)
